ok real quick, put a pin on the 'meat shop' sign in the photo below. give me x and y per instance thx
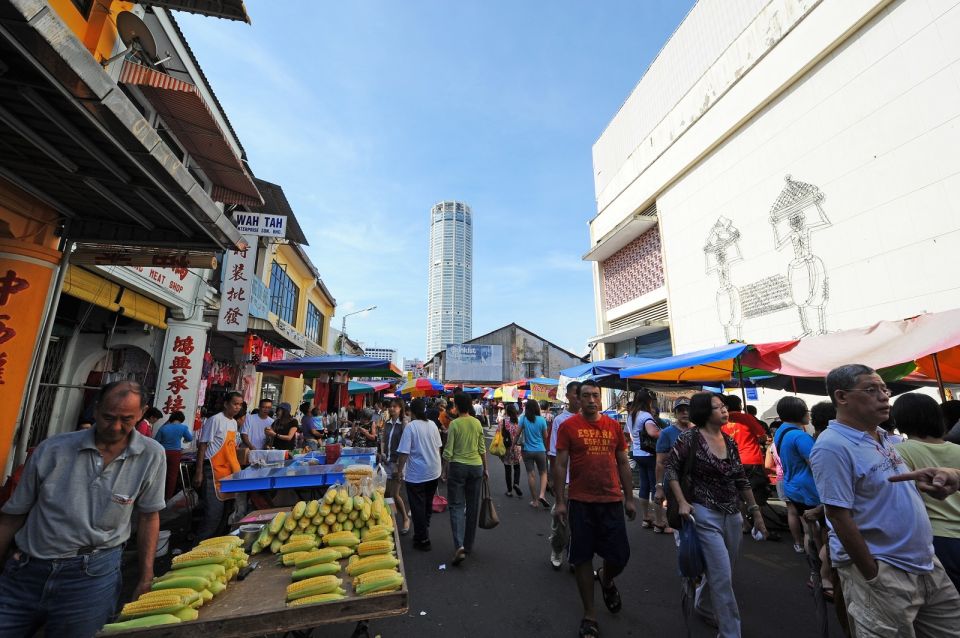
(263, 224)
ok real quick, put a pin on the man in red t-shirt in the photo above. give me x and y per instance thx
(600, 490)
(747, 432)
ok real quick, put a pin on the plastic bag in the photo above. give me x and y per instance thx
(689, 553)
(497, 447)
(380, 479)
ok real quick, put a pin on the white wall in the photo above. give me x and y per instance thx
(876, 127)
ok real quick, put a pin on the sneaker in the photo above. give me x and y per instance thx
(556, 559)
(798, 548)
(459, 556)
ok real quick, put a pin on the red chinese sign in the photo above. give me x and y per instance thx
(179, 384)
(24, 284)
(235, 293)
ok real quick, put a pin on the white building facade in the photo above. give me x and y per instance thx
(389, 354)
(784, 168)
(450, 276)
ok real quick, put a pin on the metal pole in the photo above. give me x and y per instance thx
(36, 370)
(936, 368)
(743, 389)
(343, 327)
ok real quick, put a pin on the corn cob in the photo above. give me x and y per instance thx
(312, 586)
(345, 550)
(365, 512)
(276, 545)
(206, 595)
(290, 524)
(336, 508)
(277, 523)
(342, 496)
(371, 563)
(319, 598)
(299, 537)
(347, 506)
(320, 569)
(312, 508)
(283, 536)
(195, 583)
(353, 515)
(298, 510)
(383, 582)
(152, 606)
(201, 556)
(375, 574)
(210, 572)
(348, 526)
(188, 595)
(311, 530)
(331, 495)
(324, 509)
(187, 614)
(369, 548)
(377, 533)
(216, 587)
(298, 546)
(235, 541)
(303, 523)
(340, 538)
(232, 572)
(137, 623)
(290, 558)
(325, 555)
(336, 527)
(323, 529)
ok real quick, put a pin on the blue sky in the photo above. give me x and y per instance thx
(369, 112)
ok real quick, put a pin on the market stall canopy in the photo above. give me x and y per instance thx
(883, 345)
(421, 387)
(311, 367)
(356, 387)
(711, 364)
(604, 367)
(227, 9)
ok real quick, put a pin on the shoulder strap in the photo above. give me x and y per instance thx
(690, 462)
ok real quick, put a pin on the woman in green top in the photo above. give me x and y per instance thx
(464, 466)
(919, 417)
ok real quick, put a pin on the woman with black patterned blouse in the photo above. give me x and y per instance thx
(719, 482)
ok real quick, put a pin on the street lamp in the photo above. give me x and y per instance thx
(343, 325)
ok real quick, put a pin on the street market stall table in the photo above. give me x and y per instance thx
(256, 606)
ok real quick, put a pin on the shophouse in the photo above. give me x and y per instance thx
(116, 165)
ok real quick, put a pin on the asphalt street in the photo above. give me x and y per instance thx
(507, 586)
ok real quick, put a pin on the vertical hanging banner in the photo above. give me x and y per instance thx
(178, 388)
(237, 287)
(24, 283)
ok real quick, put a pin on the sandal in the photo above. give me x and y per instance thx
(589, 628)
(659, 529)
(611, 595)
(646, 524)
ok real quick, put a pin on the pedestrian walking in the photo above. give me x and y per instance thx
(70, 516)
(419, 467)
(919, 417)
(533, 438)
(150, 417)
(644, 432)
(559, 532)
(665, 442)
(510, 431)
(881, 539)
(171, 436)
(594, 449)
(216, 460)
(391, 433)
(464, 467)
(719, 482)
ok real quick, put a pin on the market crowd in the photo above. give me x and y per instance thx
(869, 485)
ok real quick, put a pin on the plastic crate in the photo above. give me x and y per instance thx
(250, 479)
(291, 477)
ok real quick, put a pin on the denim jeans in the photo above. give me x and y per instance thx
(420, 500)
(719, 535)
(69, 597)
(463, 499)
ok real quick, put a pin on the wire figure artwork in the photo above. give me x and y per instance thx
(721, 250)
(796, 213)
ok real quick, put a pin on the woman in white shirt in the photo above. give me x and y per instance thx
(418, 465)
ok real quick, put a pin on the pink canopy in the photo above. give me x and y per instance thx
(882, 345)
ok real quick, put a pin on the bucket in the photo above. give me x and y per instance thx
(332, 453)
(249, 534)
(163, 543)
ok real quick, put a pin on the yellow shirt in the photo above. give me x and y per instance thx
(944, 515)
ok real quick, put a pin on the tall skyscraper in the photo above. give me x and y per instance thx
(450, 287)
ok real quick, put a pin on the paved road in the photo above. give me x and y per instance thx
(507, 587)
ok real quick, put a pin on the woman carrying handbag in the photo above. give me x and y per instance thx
(510, 431)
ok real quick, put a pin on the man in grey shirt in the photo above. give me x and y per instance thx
(70, 516)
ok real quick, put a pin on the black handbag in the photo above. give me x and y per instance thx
(674, 519)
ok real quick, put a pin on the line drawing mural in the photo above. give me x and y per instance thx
(796, 213)
(794, 216)
(721, 250)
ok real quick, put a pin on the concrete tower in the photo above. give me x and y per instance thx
(450, 276)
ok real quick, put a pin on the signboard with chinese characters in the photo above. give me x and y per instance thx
(237, 289)
(262, 224)
(24, 284)
(181, 364)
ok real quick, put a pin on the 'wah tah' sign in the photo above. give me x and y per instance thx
(263, 224)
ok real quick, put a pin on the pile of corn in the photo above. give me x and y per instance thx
(354, 474)
(194, 578)
(312, 520)
(374, 567)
